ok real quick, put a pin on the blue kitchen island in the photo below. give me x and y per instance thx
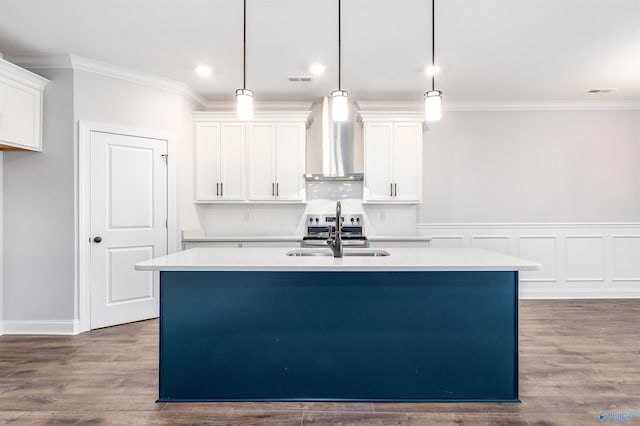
(253, 324)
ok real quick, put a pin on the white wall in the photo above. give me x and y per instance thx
(40, 190)
(39, 230)
(558, 187)
(119, 102)
(532, 166)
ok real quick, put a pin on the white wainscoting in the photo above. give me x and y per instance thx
(579, 260)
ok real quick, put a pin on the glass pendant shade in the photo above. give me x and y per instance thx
(339, 107)
(433, 105)
(244, 98)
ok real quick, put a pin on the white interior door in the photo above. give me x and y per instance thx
(128, 203)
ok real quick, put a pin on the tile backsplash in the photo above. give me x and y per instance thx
(289, 219)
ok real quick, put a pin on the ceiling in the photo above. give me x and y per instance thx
(488, 50)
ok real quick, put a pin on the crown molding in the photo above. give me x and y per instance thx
(578, 105)
(40, 61)
(393, 115)
(228, 106)
(293, 116)
(22, 75)
(79, 63)
(115, 71)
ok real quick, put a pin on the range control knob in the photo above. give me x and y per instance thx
(352, 220)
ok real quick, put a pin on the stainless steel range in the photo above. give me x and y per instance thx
(320, 226)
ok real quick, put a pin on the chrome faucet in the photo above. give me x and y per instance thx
(335, 243)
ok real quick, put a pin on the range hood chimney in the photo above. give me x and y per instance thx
(330, 144)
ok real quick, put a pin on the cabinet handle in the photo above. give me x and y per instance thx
(395, 189)
(273, 189)
(391, 189)
(217, 189)
(221, 189)
(277, 189)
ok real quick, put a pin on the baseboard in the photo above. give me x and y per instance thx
(539, 290)
(70, 327)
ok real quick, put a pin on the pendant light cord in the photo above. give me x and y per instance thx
(433, 44)
(244, 45)
(339, 47)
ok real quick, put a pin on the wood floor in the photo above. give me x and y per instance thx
(577, 359)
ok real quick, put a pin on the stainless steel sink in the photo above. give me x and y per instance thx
(355, 252)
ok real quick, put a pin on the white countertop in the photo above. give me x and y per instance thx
(275, 259)
(277, 238)
(241, 238)
(398, 238)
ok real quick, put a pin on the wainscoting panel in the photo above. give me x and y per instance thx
(499, 243)
(447, 241)
(584, 257)
(626, 258)
(541, 249)
(579, 260)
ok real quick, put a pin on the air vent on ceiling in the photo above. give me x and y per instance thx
(303, 78)
(601, 90)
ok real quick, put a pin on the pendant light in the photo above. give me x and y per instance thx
(339, 108)
(433, 98)
(244, 96)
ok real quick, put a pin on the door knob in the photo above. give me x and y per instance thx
(97, 239)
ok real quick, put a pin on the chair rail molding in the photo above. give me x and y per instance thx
(579, 260)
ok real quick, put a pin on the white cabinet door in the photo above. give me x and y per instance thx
(393, 161)
(207, 159)
(261, 147)
(20, 108)
(290, 149)
(378, 161)
(232, 161)
(407, 160)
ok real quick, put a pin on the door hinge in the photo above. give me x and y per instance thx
(166, 223)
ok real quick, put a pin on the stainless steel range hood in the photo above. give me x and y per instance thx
(331, 149)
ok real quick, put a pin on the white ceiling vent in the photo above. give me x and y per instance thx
(607, 90)
(302, 78)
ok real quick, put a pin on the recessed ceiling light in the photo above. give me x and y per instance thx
(604, 90)
(432, 70)
(203, 70)
(317, 69)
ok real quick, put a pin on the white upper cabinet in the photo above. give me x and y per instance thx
(275, 159)
(257, 161)
(219, 159)
(392, 158)
(20, 108)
